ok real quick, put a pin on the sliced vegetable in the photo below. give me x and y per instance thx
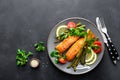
(98, 47)
(71, 25)
(98, 43)
(93, 60)
(89, 56)
(61, 30)
(62, 60)
(98, 50)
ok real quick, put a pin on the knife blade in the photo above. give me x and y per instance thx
(99, 26)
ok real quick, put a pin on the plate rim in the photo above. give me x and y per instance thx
(79, 18)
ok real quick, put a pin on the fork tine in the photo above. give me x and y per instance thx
(103, 27)
(102, 22)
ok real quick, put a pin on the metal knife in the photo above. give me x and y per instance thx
(104, 30)
(112, 56)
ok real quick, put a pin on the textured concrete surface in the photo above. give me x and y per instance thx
(24, 22)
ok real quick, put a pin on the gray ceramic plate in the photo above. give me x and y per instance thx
(51, 46)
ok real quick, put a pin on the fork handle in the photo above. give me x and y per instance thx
(111, 53)
(112, 47)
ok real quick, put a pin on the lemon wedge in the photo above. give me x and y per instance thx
(89, 56)
(93, 59)
(60, 29)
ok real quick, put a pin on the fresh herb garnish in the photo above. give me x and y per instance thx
(90, 41)
(22, 57)
(63, 36)
(55, 53)
(56, 60)
(39, 46)
(57, 56)
(79, 31)
(64, 56)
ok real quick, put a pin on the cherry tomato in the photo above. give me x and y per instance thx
(98, 50)
(71, 25)
(62, 60)
(98, 43)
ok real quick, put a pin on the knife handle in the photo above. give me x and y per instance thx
(111, 53)
(112, 47)
(114, 51)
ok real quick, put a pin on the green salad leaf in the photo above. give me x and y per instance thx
(79, 31)
(39, 46)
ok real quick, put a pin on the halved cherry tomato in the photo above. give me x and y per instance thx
(71, 25)
(99, 44)
(98, 50)
(62, 60)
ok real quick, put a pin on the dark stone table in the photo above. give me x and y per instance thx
(25, 22)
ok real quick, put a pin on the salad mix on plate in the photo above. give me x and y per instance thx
(76, 44)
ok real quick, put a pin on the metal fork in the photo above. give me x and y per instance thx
(104, 30)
